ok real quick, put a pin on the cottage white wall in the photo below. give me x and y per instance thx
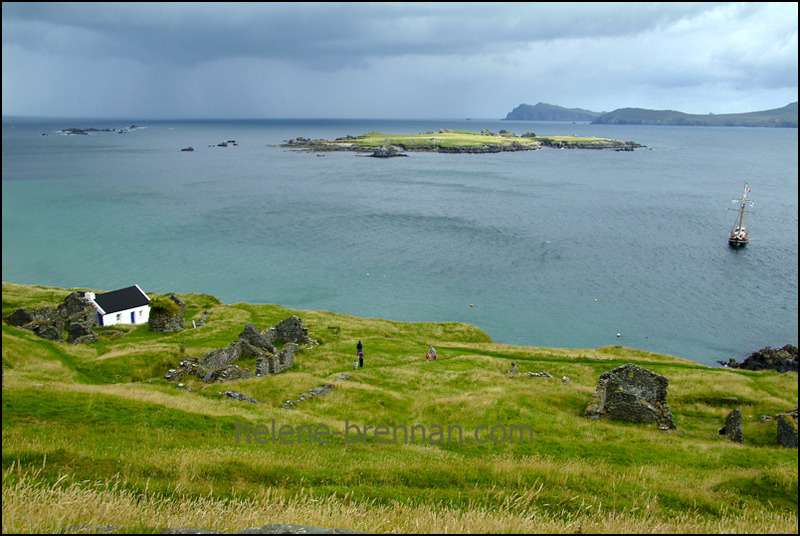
(142, 315)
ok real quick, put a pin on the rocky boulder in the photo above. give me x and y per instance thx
(75, 304)
(632, 393)
(51, 332)
(386, 151)
(782, 360)
(51, 323)
(79, 332)
(19, 318)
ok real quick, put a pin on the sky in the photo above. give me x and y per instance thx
(393, 60)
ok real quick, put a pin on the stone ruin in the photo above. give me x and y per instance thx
(787, 429)
(179, 302)
(167, 323)
(786, 433)
(218, 365)
(75, 317)
(632, 393)
(514, 371)
(733, 426)
(316, 391)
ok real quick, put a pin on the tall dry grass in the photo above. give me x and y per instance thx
(30, 506)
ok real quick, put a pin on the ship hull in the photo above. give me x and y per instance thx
(737, 242)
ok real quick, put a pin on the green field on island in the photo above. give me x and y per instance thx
(445, 140)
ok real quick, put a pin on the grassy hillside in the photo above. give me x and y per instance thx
(780, 117)
(93, 436)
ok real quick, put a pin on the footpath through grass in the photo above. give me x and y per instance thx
(93, 435)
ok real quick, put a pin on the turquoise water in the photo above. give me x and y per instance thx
(556, 248)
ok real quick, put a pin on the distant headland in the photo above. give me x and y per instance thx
(785, 117)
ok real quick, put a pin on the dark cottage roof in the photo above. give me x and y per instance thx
(119, 300)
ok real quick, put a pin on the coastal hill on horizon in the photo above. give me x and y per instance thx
(785, 117)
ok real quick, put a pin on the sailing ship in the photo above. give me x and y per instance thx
(739, 236)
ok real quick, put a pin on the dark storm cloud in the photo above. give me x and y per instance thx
(394, 59)
(315, 33)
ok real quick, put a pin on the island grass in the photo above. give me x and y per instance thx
(457, 139)
(93, 435)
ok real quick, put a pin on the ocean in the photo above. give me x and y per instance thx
(551, 248)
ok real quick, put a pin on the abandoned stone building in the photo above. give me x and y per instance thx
(220, 364)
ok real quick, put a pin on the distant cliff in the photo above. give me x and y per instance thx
(550, 112)
(785, 117)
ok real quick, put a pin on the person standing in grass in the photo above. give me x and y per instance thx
(432, 353)
(359, 346)
(360, 359)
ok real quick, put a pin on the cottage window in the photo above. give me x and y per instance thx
(119, 317)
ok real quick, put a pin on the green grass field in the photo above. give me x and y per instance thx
(448, 139)
(93, 435)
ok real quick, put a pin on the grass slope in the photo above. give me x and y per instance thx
(93, 436)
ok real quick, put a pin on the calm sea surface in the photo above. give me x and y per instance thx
(555, 248)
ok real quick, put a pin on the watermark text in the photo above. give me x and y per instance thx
(382, 434)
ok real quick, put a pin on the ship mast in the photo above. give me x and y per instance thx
(744, 203)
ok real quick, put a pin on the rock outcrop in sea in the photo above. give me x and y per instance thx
(782, 360)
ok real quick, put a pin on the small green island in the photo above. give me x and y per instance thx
(454, 141)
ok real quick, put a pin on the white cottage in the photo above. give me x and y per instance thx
(128, 305)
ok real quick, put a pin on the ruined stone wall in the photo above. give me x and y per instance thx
(75, 316)
(165, 323)
(219, 364)
(632, 393)
(290, 329)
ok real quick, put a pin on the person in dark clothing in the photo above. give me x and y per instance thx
(360, 359)
(359, 346)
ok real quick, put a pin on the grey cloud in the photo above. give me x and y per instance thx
(456, 59)
(319, 33)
